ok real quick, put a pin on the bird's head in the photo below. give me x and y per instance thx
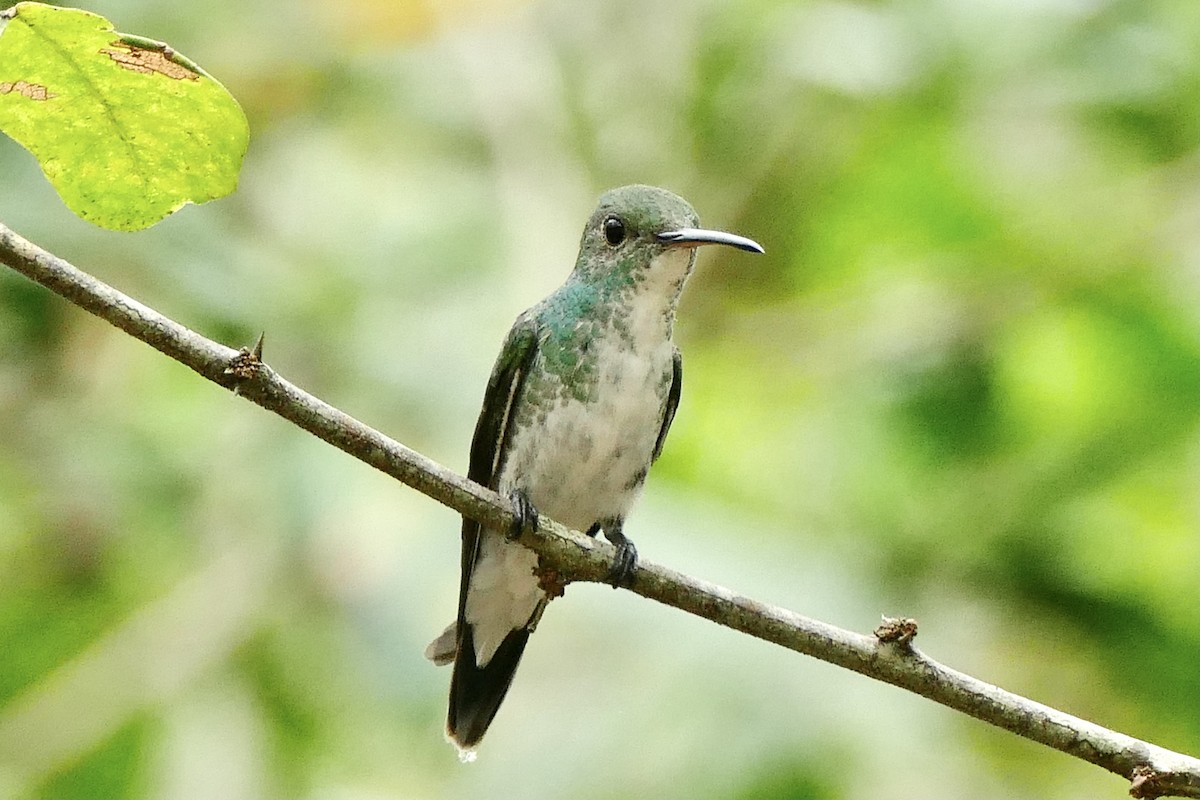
(645, 237)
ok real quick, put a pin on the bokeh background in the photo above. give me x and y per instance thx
(962, 385)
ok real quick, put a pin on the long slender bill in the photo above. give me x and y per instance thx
(694, 237)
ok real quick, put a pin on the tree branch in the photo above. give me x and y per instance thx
(566, 555)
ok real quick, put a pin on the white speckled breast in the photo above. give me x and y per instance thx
(585, 462)
(582, 462)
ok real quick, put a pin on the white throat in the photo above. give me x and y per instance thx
(655, 298)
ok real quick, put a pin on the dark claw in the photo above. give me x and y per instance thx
(525, 516)
(624, 565)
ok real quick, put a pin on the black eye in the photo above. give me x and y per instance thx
(614, 231)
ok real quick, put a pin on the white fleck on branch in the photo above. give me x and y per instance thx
(567, 556)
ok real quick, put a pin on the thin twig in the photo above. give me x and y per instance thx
(567, 555)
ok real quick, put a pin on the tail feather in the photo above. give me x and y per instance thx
(476, 692)
(441, 650)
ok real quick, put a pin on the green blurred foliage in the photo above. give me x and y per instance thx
(964, 384)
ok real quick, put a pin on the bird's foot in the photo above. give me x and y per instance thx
(625, 563)
(525, 516)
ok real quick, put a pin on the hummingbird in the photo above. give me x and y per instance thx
(576, 410)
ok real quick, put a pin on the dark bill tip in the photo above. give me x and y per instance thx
(694, 237)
